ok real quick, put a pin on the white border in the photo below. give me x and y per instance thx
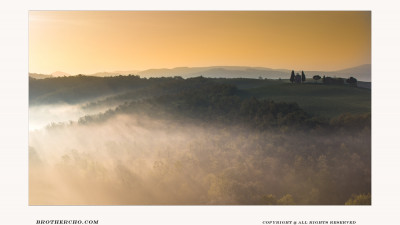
(14, 207)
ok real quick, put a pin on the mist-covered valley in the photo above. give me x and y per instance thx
(198, 141)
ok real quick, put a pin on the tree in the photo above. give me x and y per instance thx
(362, 199)
(292, 76)
(352, 81)
(286, 200)
(316, 78)
(303, 77)
(268, 200)
(297, 78)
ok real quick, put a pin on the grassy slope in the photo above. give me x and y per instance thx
(318, 99)
(324, 100)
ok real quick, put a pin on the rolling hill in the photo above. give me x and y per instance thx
(362, 73)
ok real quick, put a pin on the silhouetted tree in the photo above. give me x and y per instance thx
(316, 77)
(297, 78)
(292, 76)
(303, 77)
(352, 81)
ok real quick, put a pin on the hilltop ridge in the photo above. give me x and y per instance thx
(361, 73)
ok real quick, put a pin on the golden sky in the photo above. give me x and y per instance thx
(96, 41)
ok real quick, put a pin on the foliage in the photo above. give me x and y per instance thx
(286, 200)
(351, 122)
(303, 77)
(292, 76)
(352, 81)
(361, 199)
(316, 77)
(268, 200)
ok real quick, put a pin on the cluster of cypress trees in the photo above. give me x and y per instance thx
(297, 78)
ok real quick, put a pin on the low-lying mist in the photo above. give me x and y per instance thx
(41, 116)
(139, 160)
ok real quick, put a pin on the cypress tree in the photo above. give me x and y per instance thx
(303, 76)
(292, 76)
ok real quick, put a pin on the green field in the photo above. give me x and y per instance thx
(318, 99)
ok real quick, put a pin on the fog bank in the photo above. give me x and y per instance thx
(138, 160)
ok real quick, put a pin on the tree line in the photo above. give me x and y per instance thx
(325, 80)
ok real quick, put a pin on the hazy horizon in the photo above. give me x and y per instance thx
(177, 67)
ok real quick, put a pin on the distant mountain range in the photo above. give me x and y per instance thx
(361, 73)
(39, 75)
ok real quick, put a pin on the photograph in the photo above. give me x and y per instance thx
(199, 108)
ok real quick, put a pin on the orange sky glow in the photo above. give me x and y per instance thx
(96, 41)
